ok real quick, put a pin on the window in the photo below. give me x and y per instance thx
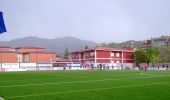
(20, 57)
(117, 55)
(117, 61)
(75, 55)
(26, 58)
(112, 61)
(112, 54)
(87, 54)
(92, 54)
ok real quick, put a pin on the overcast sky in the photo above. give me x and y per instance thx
(95, 20)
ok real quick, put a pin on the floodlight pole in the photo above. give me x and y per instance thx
(166, 38)
(36, 56)
(19, 57)
(122, 57)
(1, 59)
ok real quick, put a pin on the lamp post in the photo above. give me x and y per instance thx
(132, 45)
(166, 39)
(1, 59)
(122, 57)
(36, 57)
(19, 58)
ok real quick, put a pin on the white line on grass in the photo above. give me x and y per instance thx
(81, 81)
(1, 98)
(25, 80)
(86, 90)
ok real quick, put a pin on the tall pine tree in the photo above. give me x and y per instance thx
(66, 53)
(86, 47)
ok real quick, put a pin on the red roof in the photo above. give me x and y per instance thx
(102, 48)
(63, 60)
(5, 47)
(30, 47)
(8, 51)
(41, 52)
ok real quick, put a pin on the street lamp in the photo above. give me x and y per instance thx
(132, 44)
(1, 59)
(122, 57)
(167, 39)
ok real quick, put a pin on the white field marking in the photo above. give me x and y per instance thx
(86, 90)
(55, 78)
(27, 80)
(1, 98)
(86, 81)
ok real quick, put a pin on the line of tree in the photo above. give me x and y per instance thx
(152, 55)
(164, 53)
(66, 53)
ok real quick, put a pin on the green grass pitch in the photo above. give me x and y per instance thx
(85, 85)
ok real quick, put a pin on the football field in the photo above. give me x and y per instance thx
(85, 85)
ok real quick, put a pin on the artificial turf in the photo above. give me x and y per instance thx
(85, 85)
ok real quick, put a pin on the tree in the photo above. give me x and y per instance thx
(140, 56)
(104, 45)
(153, 55)
(86, 47)
(164, 54)
(66, 53)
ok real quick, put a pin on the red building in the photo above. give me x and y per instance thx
(35, 55)
(8, 55)
(26, 55)
(103, 55)
(147, 44)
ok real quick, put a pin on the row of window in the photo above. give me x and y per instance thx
(75, 55)
(93, 54)
(113, 54)
(86, 54)
(89, 54)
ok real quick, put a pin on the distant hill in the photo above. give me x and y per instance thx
(132, 43)
(56, 45)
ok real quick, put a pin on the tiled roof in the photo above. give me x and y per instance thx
(30, 47)
(5, 47)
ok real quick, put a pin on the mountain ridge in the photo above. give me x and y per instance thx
(57, 44)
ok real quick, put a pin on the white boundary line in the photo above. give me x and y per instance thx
(1, 98)
(86, 81)
(25, 80)
(86, 90)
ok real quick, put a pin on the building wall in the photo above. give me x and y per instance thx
(26, 58)
(26, 55)
(116, 56)
(82, 56)
(24, 50)
(89, 54)
(128, 57)
(75, 55)
(103, 61)
(41, 57)
(8, 57)
(6, 49)
(104, 56)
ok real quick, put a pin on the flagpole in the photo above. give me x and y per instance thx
(2, 24)
(2, 30)
(1, 59)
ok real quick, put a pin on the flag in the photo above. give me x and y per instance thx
(2, 25)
